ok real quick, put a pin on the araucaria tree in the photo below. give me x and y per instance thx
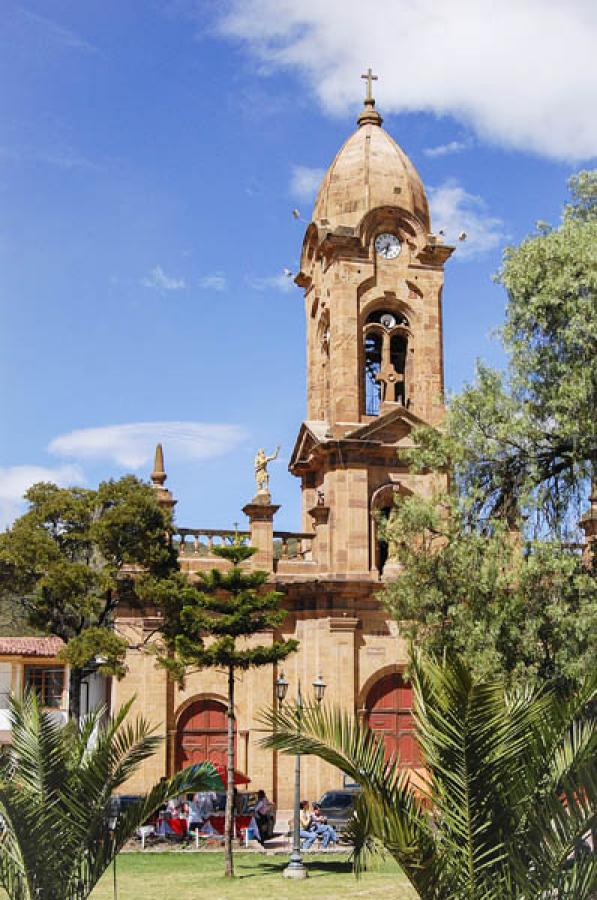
(491, 570)
(68, 561)
(211, 625)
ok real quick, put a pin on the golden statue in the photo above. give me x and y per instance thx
(261, 473)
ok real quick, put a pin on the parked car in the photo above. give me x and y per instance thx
(337, 806)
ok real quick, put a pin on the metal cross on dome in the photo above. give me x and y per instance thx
(369, 77)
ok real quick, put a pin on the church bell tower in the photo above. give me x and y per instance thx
(372, 273)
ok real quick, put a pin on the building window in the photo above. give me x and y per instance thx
(385, 351)
(47, 683)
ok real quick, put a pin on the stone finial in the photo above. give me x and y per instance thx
(369, 115)
(158, 477)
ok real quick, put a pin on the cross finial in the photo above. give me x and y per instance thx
(369, 77)
(369, 115)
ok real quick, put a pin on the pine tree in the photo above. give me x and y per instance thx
(207, 625)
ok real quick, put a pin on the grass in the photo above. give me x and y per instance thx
(192, 876)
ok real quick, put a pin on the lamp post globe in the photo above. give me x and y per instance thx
(319, 687)
(281, 687)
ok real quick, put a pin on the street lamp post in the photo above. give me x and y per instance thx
(296, 868)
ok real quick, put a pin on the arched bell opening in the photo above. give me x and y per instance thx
(386, 337)
(373, 358)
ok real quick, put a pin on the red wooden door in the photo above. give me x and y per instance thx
(201, 734)
(389, 706)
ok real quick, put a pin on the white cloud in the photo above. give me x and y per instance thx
(304, 181)
(15, 480)
(159, 281)
(216, 282)
(132, 445)
(454, 210)
(446, 149)
(520, 73)
(281, 282)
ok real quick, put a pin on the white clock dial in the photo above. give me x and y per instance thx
(387, 245)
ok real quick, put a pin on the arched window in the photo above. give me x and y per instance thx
(385, 352)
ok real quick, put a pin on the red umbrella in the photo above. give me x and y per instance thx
(239, 777)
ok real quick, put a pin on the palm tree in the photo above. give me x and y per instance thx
(57, 836)
(510, 788)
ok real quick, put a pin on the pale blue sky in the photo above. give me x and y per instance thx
(150, 157)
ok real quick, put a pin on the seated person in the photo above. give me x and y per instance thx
(263, 809)
(308, 833)
(200, 809)
(322, 829)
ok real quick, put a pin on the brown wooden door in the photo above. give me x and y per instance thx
(201, 734)
(389, 713)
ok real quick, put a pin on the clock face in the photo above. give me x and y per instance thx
(387, 245)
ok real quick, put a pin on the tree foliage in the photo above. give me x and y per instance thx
(525, 610)
(491, 571)
(211, 624)
(527, 441)
(72, 557)
(510, 790)
(57, 837)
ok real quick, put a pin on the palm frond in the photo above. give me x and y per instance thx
(55, 788)
(396, 816)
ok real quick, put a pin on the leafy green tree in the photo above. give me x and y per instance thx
(526, 441)
(210, 625)
(521, 447)
(511, 787)
(525, 610)
(57, 836)
(71, 558)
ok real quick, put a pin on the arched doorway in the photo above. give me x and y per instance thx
(389, 713)
(201, 734)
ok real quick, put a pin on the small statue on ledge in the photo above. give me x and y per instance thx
(261, 473)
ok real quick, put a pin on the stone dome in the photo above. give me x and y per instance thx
(370, 171)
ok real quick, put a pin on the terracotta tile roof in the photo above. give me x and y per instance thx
(30, 646)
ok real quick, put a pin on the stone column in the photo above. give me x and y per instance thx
(261, 512)
(321, 545)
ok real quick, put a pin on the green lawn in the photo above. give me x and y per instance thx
(191, 876)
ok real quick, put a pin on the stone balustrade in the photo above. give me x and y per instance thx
(293, 545)
(201, 541)
(285, 545)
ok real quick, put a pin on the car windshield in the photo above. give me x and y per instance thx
(336, 799)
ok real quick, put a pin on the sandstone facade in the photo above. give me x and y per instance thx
(372, 274)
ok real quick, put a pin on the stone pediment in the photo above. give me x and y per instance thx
(311, 434)
(393, 427)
